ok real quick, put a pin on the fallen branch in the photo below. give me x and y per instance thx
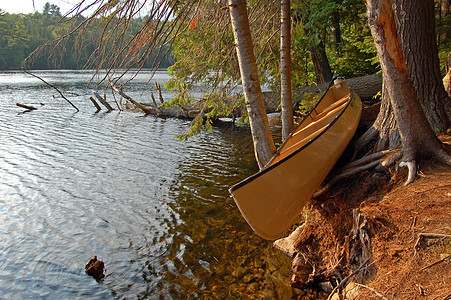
(145, 109)
(59, 92)
(118, 104)
(428, 235)
(448, 295)
(28, 107)
(435, 263)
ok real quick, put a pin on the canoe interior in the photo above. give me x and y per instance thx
(272, 199)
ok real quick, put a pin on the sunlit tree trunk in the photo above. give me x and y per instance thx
(285, 69)
(264, 147)
(418, 139)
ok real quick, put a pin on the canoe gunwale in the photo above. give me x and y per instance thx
(283, 160)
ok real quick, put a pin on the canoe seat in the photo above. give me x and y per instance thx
(326, 117)
(331, 107)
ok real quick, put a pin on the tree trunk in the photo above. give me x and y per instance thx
(417, 34)
(321, 64)
(337, 31)
(418, 139)
(264, 147)
(285, 70)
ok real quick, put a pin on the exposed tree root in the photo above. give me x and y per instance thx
(412, 167)
(365, 163)
(344, 281)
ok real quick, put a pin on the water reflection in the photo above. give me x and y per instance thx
(119, 186)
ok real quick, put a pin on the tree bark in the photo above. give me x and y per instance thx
(264, 147)
(418, 139)
(416, 30)
(337, 31)
(321, 64)
(285, 70)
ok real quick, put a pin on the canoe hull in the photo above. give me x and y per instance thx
(272, 199)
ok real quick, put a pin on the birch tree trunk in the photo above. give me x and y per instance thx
(418, 139)
(264, 147)
(285, 69)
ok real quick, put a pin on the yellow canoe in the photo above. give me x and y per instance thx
(272, 199)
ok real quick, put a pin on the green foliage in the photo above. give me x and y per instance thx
(21, 35)
(443, 30)
(308, 101)
(14, 39)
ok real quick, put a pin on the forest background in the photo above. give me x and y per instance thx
(328, 37)
(22, 34)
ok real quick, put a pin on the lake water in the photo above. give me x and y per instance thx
(120, 186)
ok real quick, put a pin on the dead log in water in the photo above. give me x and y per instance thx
(27, 107)
(97, 106)
(103, 101)
(365, 86)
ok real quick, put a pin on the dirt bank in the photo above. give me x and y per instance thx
(386, 236)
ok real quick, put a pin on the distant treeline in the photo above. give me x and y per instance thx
(21, 34)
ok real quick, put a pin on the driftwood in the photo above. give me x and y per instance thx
(95, 104)
(435, 263)
(28, 107)
(360, 240)
(103, 101)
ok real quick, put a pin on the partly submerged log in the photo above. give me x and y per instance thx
(365, 86)
(103, 101)
(27, 107)
(97, 106)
